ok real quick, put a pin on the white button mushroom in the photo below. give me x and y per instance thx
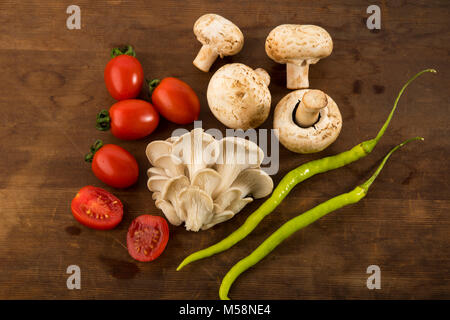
(203, 194)
(315, 125)
(298, 46)
(219, 37)
(239, 96)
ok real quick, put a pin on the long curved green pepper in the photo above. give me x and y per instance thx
(299, 222)
(291, 179)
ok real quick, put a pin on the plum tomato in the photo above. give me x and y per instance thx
(129, 119)
(175, 100)
(123, 74)
(113, 165)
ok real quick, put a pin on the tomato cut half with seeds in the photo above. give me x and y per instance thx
(97, 208)
(147, 237)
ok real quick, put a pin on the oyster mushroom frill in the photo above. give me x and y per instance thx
(202, 181)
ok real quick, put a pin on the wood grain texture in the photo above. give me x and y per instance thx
(52, 88)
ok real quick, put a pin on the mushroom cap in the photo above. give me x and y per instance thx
(171, 164)
(157, 148)
(239, 97)
(207, 180)
(226, 198)
(253, 181)
(289, 43)
(219, 33)
(306, 140)
(219, 218)
(155, 171)
(157, 183)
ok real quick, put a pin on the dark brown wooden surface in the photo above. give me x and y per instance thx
(52, 87)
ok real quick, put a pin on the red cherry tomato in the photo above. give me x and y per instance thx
(114, 165)
(97, 208)
(133, 119)
(123, 77)
(176, 101)
(147, 237)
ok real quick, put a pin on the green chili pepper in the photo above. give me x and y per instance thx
(298, 223)
(291, 179)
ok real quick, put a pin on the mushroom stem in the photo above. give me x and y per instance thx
(205, 58)
(297, 75)
(263, 75)
(308, 111)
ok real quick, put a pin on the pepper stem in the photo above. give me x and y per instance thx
(370, 144)
(152, 85)
(103, 121)
(366, 185)
(94, 148)
(128, 50)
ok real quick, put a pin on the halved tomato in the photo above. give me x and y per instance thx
(97, 208)
(147, 237)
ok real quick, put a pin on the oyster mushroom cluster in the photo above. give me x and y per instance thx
(202, 181)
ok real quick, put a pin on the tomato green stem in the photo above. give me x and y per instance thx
(128, 50)
(94, 148)
(103, 121)
(152, 84)
(300, 222)
(291, 179)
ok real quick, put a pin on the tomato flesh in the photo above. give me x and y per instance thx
(147, 237)
(97, 208)
(133, 119)
(176, 101)
(124, 77)
(115, 166)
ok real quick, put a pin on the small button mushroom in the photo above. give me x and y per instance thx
(239, 96)
(315, 125)
(219, 37)
(298, 46)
